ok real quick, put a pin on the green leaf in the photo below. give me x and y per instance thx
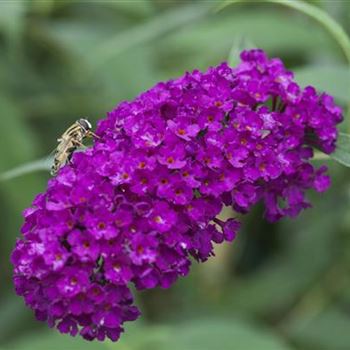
(17, 142)
(17, 146)
(325, 330)
(342, 152)
(226, 334)
(336, 31)
(53, 341)
(334, 80)
(13, 315)
(306, 253)
(209, 40)
(142, 8)
(11, 16)
(117, 82)
(146, 32)
(223, 334)
(38, 165)
(201, 334)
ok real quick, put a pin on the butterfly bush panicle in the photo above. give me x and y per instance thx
(135, 207)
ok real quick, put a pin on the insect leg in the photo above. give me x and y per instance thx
(71, 151)
(92, 134)
(76, 143)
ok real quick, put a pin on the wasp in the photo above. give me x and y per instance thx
(71, 139)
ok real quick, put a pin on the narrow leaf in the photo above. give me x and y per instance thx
(38, 165)
(146, 32)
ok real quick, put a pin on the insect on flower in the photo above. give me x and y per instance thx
(71, 139)
(164, 167)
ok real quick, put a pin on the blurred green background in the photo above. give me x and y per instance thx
(278, 287)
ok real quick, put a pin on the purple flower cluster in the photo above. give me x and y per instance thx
(145, 198)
